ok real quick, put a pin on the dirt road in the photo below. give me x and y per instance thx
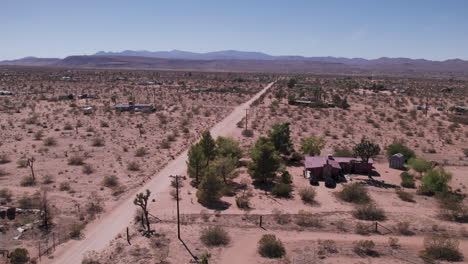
(116, 219)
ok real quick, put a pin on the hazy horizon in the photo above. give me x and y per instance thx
(431, 30)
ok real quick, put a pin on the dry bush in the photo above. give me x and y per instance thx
(22, 163)
(4, 159)
(27, 181)
(50, 141)
(75, 230)
(214, 236)
(365, 247)
(271, 247)
(133, 166)
(405, 196)
(6, 194)
(280, 217)
(363, 229)
(88, 169)
(404, 228)
(97, 142)
(307, 194)
(76, 160)
(47, 179)
(393, 242)
(369, 212)
(441, 247)
(111, 181)
(327, 247)
(64, 186)
(354, 193)
(307, 219)
(140, 152)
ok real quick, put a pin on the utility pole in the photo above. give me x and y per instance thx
(246, 111)
(177, 200)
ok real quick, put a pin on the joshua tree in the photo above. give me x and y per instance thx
(31, 165)
(141, 200)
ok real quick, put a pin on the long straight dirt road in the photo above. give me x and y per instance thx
(99, 233)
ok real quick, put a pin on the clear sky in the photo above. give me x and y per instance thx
(431, 29)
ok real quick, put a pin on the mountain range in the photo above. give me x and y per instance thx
(232, 60)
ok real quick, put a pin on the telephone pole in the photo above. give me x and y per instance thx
(246, 111)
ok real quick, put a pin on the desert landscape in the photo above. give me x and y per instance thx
(72, 161)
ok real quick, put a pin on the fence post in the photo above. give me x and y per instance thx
(261, 220)
(376, 227)
(39, 248)
(128, 237)
(53, 240)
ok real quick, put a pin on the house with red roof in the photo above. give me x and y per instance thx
(323, 167)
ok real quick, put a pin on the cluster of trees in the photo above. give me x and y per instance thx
(212, 163)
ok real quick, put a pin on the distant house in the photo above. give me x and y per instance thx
(323, 167)
(66, 97)
(6, 93)
(88, 110)
(146, 108)
(87, 96)
(397, 161)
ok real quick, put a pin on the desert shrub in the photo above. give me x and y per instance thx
(404, 228)
(354, 193)
(19, 256)
(47, 179)
(4, 159)
(441, 247)
(76, 160)
(393, 242)
(399, 147)
(327, 246)
(364, 247)
(38, 135)
(369, 212)
(75, 230)
(420, 165)
(111, 181)
(104, 124)
(22, 163)
(271, 247)
(140, 152)
(307, 219)
(465, 152)
(214, 236)
(3, 172)
(363, 229)
(64, 186)
(27, 181)
(452, 207)
(29, 202)
(90, 258)
(165, 144)
(280, 217)
(286, 177)
(97, 142)
(243, 200)
(67, 126)
(282, 190)
(133, 166)
(405, 196)
(6, 194)
(307, 194)
(50, 141)
(435, 181)
(88, 169)
(407, 180)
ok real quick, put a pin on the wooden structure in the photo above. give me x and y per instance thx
(397, 161)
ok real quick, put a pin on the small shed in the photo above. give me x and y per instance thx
(397, 161)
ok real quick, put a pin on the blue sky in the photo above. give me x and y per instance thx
(349, 28)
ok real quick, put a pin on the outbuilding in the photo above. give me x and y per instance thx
(397, 161)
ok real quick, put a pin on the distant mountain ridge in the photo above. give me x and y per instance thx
(232, 60)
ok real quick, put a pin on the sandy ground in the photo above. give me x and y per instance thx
(99, 234)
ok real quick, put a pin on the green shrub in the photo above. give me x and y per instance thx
(441, 247)
(420, 165)
(282, 190)
(435, 181)
(271, 247)
(214, 236)
(354, 193)
(407, 180)
(399, 147)
(369, 212)
(307, 194)
(19, 256)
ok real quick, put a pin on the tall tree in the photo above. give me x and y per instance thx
(280, 137)
(312, 146)
(291, 83)
(366, 150)
(211, 187)
(228, 147)
(208, 146)
(196, 163)
(265, 161)
(141, 200)
(224, 167)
